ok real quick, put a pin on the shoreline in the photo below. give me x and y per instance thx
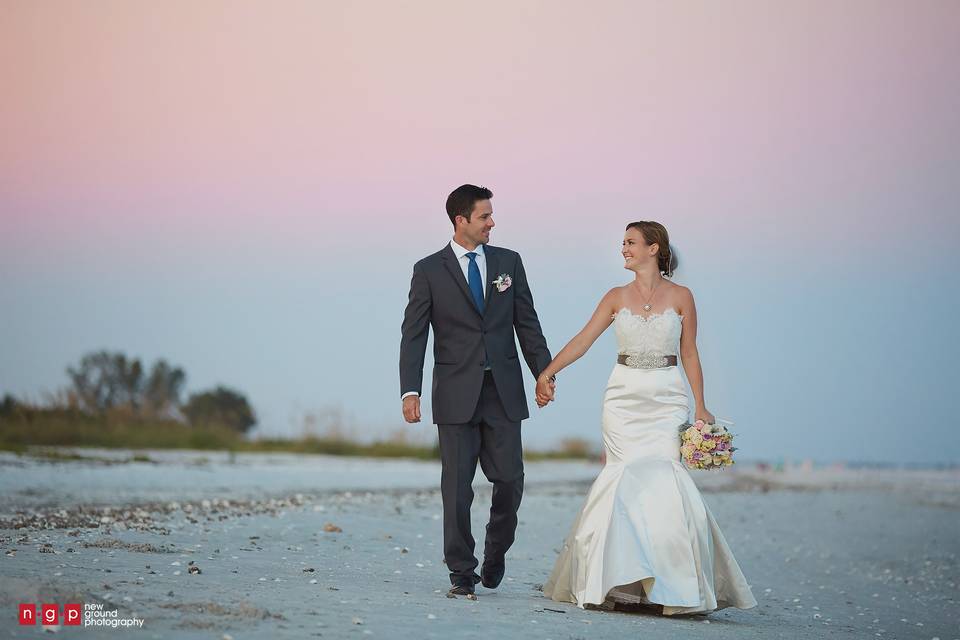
(24, 505)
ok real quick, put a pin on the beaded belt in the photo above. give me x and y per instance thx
(647, 361)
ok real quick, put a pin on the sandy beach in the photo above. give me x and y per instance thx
(196, 545)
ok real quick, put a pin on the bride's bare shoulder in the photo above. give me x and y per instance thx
(613, 299)
(678, 289)
(615, 294)
(682, 298)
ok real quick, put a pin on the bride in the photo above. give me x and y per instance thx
(644, 537)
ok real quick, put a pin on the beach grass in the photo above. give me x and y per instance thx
(35, 432)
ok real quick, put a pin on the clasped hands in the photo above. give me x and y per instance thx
(546, 390)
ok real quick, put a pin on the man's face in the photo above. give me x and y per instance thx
(477, 229)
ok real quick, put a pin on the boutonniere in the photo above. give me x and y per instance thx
(503, 282)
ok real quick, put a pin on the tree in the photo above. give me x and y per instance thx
(161, 393)
(105, 380)
(221, 406)
(8, 406)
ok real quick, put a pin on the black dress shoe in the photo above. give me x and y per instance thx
(492, 573)
(463, 585)
(461, 590)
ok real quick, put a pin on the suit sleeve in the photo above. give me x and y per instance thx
(414, 332)
(527, 325)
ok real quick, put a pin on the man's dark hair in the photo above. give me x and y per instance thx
(461, 200)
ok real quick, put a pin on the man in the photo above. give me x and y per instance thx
(475, 296)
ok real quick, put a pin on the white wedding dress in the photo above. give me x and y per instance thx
(644, 534)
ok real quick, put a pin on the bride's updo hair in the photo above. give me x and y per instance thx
(656, 233)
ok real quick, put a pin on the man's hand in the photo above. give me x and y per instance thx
(546, 391)
(411, 409)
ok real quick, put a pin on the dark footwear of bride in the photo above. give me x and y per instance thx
(639, 607)
(627, 607)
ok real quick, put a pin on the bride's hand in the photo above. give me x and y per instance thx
(706, 416)
(545, 390)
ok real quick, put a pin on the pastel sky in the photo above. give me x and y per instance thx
(243, 187)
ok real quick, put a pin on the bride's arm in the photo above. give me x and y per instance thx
(691, 357)
(581, 342)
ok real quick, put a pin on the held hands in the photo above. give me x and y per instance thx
(546, 390)
(411, 409)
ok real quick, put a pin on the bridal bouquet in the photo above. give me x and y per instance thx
(706, 446)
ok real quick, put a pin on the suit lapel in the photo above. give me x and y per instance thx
(492, 265)
(453, 266)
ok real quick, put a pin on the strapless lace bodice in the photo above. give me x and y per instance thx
(657, 334)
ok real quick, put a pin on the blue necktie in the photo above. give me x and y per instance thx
(475, 282)
(476, 288)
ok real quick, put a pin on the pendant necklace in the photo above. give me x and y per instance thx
(647, 306)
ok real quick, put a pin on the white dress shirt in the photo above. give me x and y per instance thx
(461, 253)
(464, 261)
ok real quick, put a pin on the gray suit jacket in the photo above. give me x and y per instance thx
(440, 297)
